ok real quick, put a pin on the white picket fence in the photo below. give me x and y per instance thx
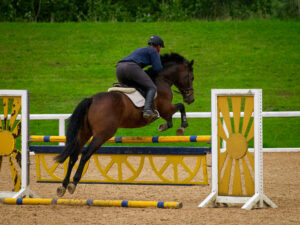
(63, 117)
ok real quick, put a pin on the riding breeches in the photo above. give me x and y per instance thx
(131, 74)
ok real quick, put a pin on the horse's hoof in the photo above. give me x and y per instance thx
(163, 127)
(184, 124)
(71, 188)
(60, 191)
(180, 131)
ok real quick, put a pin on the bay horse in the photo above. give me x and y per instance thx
(102, 114)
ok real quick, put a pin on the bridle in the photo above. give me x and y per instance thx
(187, 90)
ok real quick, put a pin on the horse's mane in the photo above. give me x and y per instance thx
(166, 60)
(172, 57)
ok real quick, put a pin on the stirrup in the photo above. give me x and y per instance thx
(149, 114)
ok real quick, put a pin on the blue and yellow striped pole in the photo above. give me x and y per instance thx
(103, 203)
(154, 139)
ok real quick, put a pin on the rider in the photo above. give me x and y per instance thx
(130, 70)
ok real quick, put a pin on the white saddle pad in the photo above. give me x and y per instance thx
(137, 99)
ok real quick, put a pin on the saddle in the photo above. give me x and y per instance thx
(136, 95)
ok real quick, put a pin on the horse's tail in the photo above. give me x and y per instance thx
(74, 124)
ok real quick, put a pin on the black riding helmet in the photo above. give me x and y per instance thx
(156, 40)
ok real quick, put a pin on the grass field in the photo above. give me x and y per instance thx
(62, 63)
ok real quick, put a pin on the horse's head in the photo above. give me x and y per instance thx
(185, 82)
(179, 71)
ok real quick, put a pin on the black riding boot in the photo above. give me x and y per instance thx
(148, 110)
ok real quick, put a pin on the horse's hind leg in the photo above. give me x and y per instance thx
(72, 160)
(86, 155)
(62, 189)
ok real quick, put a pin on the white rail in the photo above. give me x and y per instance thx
(63, 117)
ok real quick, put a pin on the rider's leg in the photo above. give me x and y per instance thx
(148, 112)
(131, 72)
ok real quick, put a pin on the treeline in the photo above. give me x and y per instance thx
(146, 11)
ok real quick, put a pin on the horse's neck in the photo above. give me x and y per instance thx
(169, 76)
(164, 80)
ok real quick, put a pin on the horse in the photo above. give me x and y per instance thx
(102, 114)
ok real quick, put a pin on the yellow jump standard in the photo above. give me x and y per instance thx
(103, 203)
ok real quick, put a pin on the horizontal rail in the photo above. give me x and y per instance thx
(176, 115)
(103, 203)
(154, 139)
(62, 117)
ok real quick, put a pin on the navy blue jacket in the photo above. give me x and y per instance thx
(145, 56)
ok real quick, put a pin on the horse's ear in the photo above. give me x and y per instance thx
(192, 62)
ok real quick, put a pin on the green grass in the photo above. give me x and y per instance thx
(62, 63)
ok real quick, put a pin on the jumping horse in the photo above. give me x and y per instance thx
(102, 114)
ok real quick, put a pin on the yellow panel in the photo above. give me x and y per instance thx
(120, 176)
(249, 107)
(108, 166)
(183, 164)
(14, 173)
(164, 167)
(221, 131)
(224, 184)
(236, 108)
(38, 167)
(224, 108)
(237, 184)
(1, 125)
(175, 168)
(17, 130)
(50, 171)
(250, 157)
(204, 169)
(248, 179)
(251, 132)
(5, 111)
(221, 160)
(15, 111)
(130, 167)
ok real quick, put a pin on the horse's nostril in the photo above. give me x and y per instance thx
(191, 101)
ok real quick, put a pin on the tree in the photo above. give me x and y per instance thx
(299, 9)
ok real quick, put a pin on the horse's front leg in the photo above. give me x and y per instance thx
(181, 108)
(169, 123)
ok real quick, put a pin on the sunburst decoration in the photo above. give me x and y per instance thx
(236, 163)
(10, 130)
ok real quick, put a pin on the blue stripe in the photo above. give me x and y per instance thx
(118, 139)
(124, 204)
(19, 201)
(54, 149)
(193, 138)
(54, 201)
(155, 139)
(46, 138)
(160, 205)
(89, 202)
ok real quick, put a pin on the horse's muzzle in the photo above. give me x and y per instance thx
(189, 99)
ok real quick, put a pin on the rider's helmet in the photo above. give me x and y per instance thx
(155, 41)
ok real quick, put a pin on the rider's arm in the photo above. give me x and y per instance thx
(155, 61)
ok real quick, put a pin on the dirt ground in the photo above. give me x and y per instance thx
(281, 185)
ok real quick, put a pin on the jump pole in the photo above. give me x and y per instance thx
(150, 139)
(100, 203)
